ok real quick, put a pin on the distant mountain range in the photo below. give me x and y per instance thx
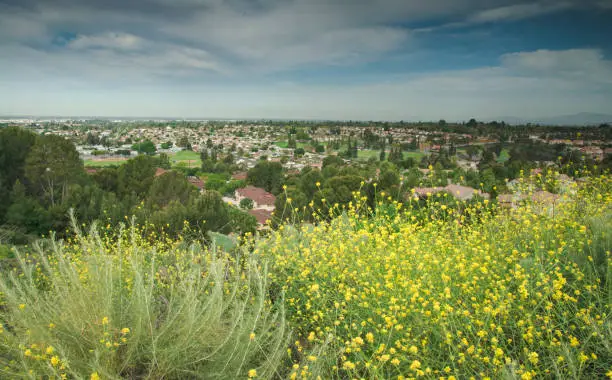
(579, 119)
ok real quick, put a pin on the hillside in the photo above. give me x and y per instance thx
(445, 291)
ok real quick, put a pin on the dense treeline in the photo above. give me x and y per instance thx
(42, 178)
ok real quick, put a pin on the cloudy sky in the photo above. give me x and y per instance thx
(320, 59)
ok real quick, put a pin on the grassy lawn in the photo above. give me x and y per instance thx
(186, 157)
(416, 155)
(283, 144)
(365, 154)
(104, 163)
(183, 158)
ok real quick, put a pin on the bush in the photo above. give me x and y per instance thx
(134, 309)
(246, 203)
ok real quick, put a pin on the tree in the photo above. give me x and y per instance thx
(396, 155)
(184, 143)
(302, 135)
(299, 152)
(92, 139)
(204, 154)
(332, 161)
(242, 222)
(246, 203)
(26, 212)
(291, 143)
(168, 187)
(15, 144)
(414, 144)
(146, 146)
(107, 179)
(473, 151)
(308, 182)
(52, 164)
(389, 177)
(208, 166)
(164, 161)
(228, 159)
(266, 174)
(340, 189)
(209, 212)
(136, 176)
(166, 145)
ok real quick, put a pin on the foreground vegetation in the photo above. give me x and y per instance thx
(398, 292)
(109, 306)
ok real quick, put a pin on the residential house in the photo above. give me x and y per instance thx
(261, 198)
(261, 215)
(462, 193)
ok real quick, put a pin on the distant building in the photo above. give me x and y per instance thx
(261, 215)
(261, 198)
(463, 193)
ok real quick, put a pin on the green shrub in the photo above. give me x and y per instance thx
(135, 309)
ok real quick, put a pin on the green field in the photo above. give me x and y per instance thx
(416, 155)
(103, 164)
(186, 157)
(182, 158)
(365, 154)
(283, 144)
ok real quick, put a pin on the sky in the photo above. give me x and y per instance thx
(306, 59)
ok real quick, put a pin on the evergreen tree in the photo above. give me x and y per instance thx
(52, 164)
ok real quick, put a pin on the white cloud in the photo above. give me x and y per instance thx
(111, 40)
(516, 87)
(518, 11)
(579, 64)
(96, 60)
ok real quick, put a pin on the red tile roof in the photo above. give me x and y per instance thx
(258, 195)
(262, 216)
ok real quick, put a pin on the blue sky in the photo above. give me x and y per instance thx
(321, 59)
